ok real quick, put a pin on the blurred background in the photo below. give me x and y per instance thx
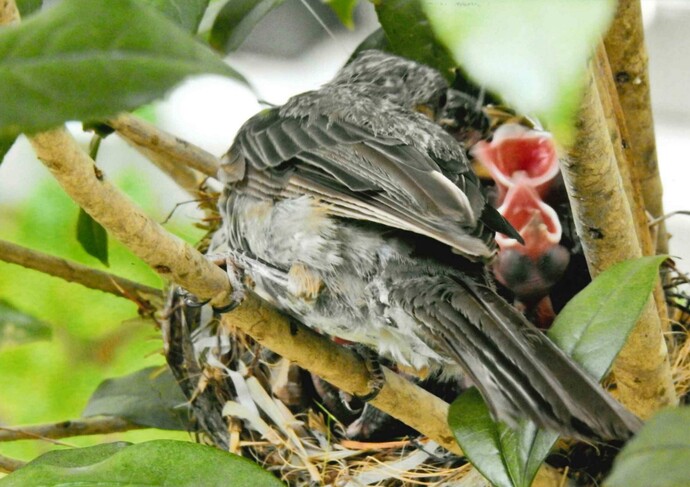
(96, 336)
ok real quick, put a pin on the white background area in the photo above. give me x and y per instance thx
(208, 110)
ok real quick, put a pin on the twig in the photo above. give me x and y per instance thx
(629, 62)
(173, 259)
(9, 465)
(65, 429)
(591, 177)
(170, 150)
(78, 273)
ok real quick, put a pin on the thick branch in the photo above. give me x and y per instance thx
(618, 131)
(591, 175)
(171, 151)
(169, 256)
(78, 273)
(65, 429)
(345, 370)
(629, 62)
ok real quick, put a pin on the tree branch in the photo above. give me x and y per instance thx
(9, 465)
(170, 151)
(65, 429)
(629, 62)
(344, 369)
(591, 177)
(172, 258)
(75, 272)
(618, 131)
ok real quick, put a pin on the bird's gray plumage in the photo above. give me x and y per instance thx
(360, 217)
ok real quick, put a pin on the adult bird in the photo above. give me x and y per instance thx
(351, 210)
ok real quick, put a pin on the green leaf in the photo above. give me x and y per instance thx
(6, 144)
(531, 52)
(146, 397)
(154, 463)
(90, 59)
(92, 237)
(185, 13)
(17, 327)
(591, 328)
(344, 10)
(236, 20)
(658, 456)
(478, 436)
(27, 7)
(409, 34)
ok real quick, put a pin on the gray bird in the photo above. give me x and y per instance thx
(354, 212)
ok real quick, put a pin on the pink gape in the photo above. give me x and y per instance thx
(524, 163)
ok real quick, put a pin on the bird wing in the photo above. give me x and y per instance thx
(362, 175)
(518, 370)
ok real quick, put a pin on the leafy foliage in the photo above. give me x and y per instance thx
(148, 397)
(592, 328)
(151, 463)
(17, 327)
(659, 455)
(532, 53)
(88, 59)
(236, 20)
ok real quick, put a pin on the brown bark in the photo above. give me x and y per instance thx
(65, 429)
(629, 62)
(605, 224)
(75, 272)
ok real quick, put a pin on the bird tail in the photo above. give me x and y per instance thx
(518, 370)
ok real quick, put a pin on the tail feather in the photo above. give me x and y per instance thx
(518, 370)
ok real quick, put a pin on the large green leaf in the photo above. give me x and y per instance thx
(153, 463)
(531, 52)
(586, 330)
(410, 35)
(147, 397)
(236, 20)
(90, 59)
(658, 456)
(594, 325)
(17, 327)
(186, 13)
(92, 237)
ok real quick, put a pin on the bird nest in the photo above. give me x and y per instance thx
(252, 402)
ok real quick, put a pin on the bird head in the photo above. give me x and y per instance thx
(401, 81)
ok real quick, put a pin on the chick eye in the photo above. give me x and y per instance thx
(443, 100)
